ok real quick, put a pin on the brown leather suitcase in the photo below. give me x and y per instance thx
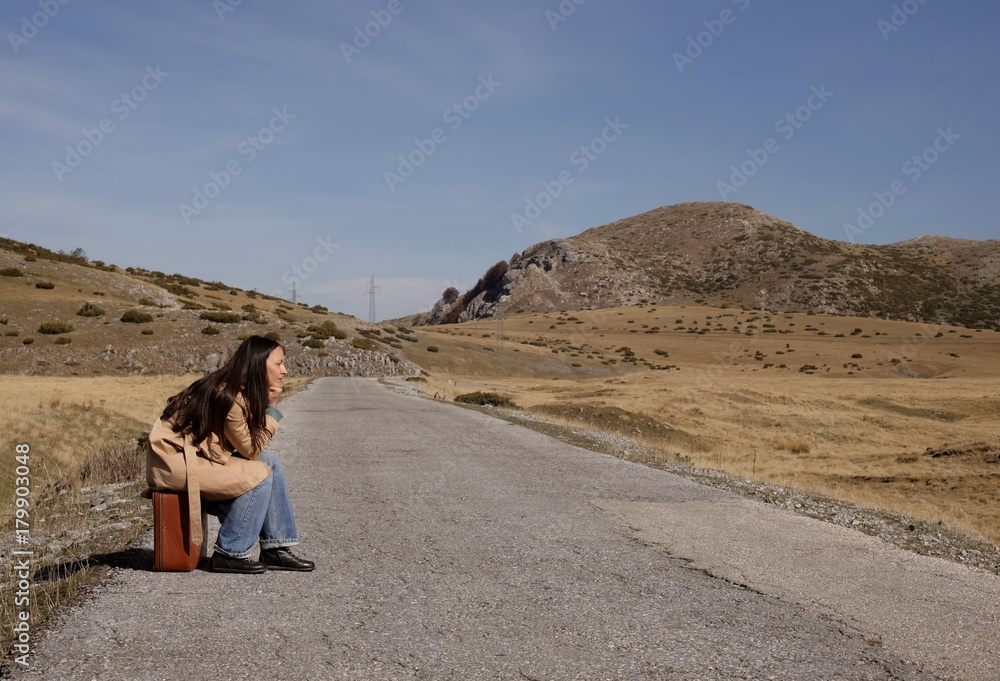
(173, 550)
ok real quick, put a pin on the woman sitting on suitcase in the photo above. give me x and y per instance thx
(210, 442)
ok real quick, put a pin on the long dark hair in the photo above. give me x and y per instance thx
(201, 409)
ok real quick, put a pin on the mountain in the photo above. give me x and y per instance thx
(729, 254)
(62, 314)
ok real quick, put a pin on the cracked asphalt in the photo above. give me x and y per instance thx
(452, 545)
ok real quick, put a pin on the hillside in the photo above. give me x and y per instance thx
(62, 315)
(729, 254)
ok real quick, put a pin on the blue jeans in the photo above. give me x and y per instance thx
(264, 512)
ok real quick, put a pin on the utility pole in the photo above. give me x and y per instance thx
(371, 300)
(293, 294)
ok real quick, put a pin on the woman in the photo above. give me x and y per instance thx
(210, 442)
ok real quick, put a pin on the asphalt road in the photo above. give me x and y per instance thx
(451, 545)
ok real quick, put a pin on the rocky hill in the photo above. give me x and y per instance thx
(61, 314)
(729, 254)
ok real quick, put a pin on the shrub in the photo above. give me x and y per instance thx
(416, 379)
(857, 355)
(794, 446)
(273, 335)
(191, 305)
(11, 272)
(147, 332)
(136, 317)
(210, 331)
(90, 310)
(44, 284)
(363, 344)
(179, 290)
(220, 317)
(52, 328)
(115, 461)
(486, 399)
(313, 343)
(28, 341)
(433, 348)
(325, 330)
(63, 340)
(662, 353)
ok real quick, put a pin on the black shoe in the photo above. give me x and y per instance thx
(283, 559)
(245, 566)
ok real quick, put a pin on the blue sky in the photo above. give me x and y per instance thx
(261, 142)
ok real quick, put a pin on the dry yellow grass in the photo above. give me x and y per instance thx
(62, 419)
(858, 412)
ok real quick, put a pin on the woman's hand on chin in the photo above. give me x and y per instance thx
(274, 395)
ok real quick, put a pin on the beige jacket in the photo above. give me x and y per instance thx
(212, 470)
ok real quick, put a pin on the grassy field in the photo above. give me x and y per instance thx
(63, 419)
(890, 415)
